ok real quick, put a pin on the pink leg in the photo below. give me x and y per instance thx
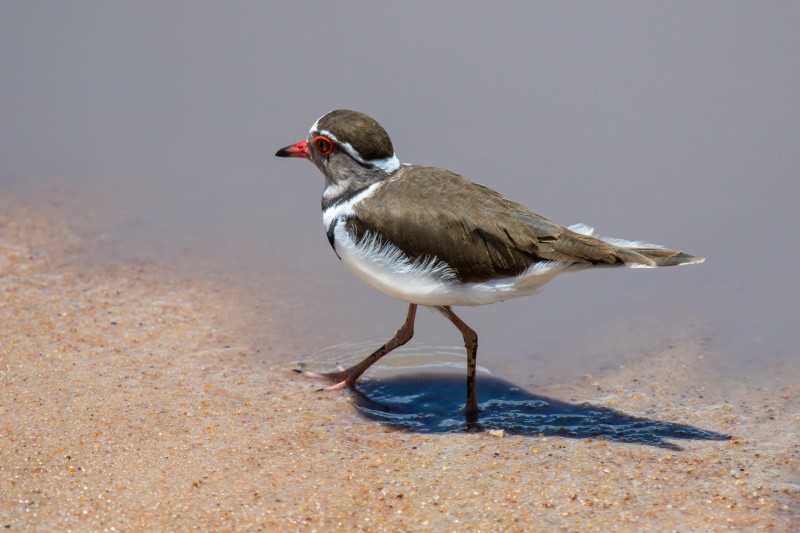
(348, 377)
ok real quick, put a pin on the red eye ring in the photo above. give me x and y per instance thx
(323, 145)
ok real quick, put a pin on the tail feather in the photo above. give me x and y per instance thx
(641, 253)
(665, 257)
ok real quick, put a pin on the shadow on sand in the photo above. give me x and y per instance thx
(433, 404)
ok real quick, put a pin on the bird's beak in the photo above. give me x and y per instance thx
(298, 149)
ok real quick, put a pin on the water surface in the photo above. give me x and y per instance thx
(674, 124)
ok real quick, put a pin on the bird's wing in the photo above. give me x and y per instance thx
(482, 235)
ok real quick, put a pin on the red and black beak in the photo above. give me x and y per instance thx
(298, 149)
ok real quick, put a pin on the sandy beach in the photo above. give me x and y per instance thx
(140, 397)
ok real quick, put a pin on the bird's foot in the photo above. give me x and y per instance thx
(343, 378)
(471, 415)
(471, 410)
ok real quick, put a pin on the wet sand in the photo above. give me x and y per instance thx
(145, 397)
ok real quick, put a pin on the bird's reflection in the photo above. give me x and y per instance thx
(433, 404)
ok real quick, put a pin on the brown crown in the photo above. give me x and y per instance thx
(363, 133)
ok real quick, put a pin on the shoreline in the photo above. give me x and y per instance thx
(140, 397)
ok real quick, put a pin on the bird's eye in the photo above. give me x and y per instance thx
(323, 145)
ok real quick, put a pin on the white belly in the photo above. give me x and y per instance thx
(431, 282)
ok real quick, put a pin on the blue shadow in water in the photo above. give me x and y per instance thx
(433, 404)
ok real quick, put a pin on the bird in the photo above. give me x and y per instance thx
(431, 237)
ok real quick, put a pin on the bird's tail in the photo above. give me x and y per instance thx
(644, 254)
(665, 257)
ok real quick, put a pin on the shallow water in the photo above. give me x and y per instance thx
(672, 126)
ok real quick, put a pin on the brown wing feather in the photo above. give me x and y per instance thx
(479, 233)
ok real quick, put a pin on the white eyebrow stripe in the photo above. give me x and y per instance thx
(387, 164)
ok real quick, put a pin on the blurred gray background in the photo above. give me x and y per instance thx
(676, 123)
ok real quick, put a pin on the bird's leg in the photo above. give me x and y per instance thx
(348, 376)
(471, 344)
